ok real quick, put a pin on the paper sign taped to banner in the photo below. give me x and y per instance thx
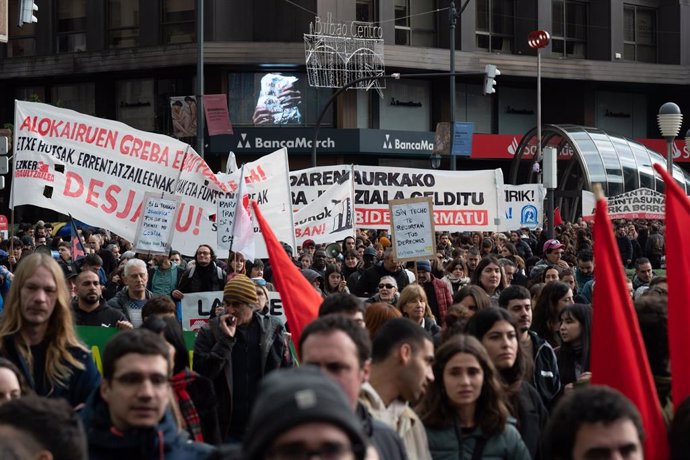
(157, 224)
(197, 308)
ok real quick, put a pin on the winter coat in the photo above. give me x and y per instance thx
(119, 302)
(450, 444)
(213, 359)
(546, 374)
(162, 442)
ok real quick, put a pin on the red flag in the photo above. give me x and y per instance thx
(557, 219)
(300, 300)
(677, 272)
(78, 251)
(618, 356)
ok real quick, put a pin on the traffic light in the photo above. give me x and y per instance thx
(27, 8)
(4, 161)
(490, 74)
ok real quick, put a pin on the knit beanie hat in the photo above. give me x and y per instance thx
(240, 289)
(288, 398)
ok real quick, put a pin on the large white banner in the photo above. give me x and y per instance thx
(463, 200)
(523, 206)
(98, 171)
(330, 217)
(197, 307)
(267, 182)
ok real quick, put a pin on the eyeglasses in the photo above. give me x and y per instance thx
(203, 253)
(387, 286)
(298, 451)
(134, 379)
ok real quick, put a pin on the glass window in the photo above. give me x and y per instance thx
(21, 40)
(80, 97)
(123, 23)
(402, 22)
(178, 21)
(639, 34)
(495, 25)
(569, 28)
(135, 104)
(71, 26)
(366, 10)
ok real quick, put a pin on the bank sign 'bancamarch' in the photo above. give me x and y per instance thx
(296, 143)
(397, 144)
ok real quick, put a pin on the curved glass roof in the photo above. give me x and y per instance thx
(617, 163)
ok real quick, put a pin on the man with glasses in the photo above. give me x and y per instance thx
(129, 417)
(202, 276)
(235, 350)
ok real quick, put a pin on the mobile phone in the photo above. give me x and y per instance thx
(230, 320)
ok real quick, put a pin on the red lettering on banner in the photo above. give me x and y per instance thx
(191, 211)
(311, 231)
(73, 178)
(455, 217)
(98, 136)
(145, 150)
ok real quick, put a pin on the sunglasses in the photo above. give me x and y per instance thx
(387, 286)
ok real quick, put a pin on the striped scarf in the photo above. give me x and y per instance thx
(190, 415)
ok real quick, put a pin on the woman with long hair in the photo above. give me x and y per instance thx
(12, 382)
(413, 304)
(236, 265)
(554, 297)
(334, 283)
(495, 328)
(489, 276)
(473, 298)
(463, 409)
(573, 354)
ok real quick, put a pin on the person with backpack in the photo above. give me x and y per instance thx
(201, 276)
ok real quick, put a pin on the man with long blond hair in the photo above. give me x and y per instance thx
(37, 334)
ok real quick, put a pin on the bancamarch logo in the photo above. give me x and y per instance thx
(397, 144)
(296, 143)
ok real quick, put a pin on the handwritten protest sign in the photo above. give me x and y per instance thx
(224, 220)
(412, 222)
(197, 307)
(156, 225)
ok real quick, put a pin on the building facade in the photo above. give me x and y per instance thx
(610, 64)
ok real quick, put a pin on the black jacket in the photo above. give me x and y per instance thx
(547, 380)
(103, 316)
(367, 285)
(213, 359)
(532, 418)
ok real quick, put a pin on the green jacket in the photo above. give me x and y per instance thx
(445, 445)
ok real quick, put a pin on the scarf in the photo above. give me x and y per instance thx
(190, 415)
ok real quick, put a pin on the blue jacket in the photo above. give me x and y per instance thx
(156, 443)
(77, 388)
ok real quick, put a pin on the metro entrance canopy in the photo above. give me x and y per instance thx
(588, 156)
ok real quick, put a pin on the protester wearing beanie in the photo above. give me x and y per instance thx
(240, 345)
(294, 397)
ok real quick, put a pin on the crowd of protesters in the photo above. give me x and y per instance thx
(481, 352)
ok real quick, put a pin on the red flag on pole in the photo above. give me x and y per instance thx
(77, 248)
(557, 219)
(300, 300)
(618, 356)
(677, 272)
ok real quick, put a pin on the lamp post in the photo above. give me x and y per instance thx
(453, 20)
(669, 118)
(538, 40)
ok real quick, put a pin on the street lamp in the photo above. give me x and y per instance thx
(454, 14)
(669, 118)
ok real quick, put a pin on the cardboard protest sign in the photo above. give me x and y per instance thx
(412, 224)
(155, 230)
(197, 307)
(463, 200)
(330, 217)
(523, 206)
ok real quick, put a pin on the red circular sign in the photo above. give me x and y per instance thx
(538, 39)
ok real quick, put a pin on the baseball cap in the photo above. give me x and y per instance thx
(552, 244)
